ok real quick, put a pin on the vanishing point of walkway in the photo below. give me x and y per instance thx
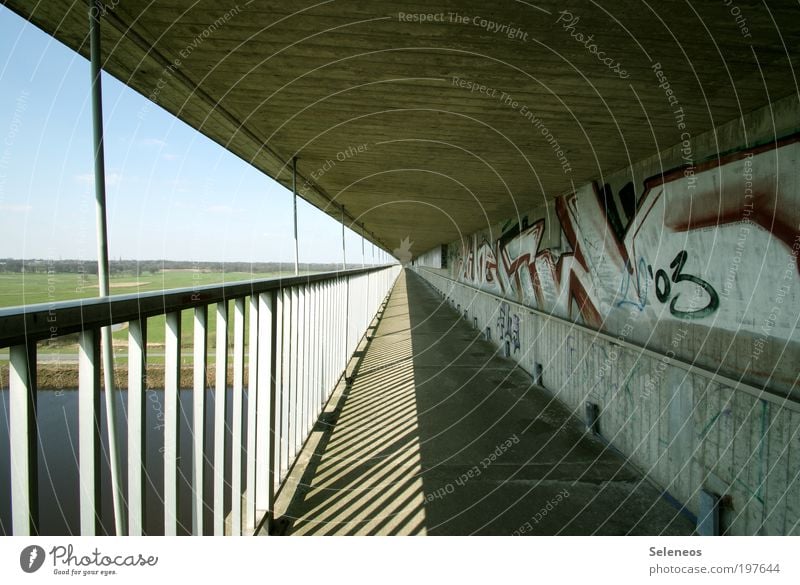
(436, 434)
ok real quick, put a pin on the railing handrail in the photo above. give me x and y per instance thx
(36, 322)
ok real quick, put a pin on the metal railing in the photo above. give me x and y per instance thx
(301, 334)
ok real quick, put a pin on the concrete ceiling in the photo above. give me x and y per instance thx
(276, 79)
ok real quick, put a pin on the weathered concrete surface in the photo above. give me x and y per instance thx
(437, 118)
(408, 448)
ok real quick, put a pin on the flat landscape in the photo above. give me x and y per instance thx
(58, 358)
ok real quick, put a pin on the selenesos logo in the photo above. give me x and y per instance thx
(31, 558)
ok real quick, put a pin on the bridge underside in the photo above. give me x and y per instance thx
(438, 435)
(439, 128)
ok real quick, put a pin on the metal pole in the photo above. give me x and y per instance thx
(102, 264)
(294, 193)
(363, 256)
(344, 256)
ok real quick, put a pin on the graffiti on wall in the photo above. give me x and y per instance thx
(671, 251)
(508, 328)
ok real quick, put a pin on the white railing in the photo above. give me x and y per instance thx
(301, 334)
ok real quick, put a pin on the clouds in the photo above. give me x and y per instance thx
(220, 209)
(153, 142)
(160, 145)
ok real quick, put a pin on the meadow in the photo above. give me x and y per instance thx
(31, 288)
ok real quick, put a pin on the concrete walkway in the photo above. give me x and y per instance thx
(438, 435)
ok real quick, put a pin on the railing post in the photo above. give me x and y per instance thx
(252, 381)
(313, 366)
(341, 329)
(326, 350)
(172, 385)
(295, 372)
(265, 408)
(220, 391)
(306, 361)
(318, 340)
(236, 418)
(279, 395)
(346, 322)
(199, 412)
(137, 430)
(89, 430)
(286, 376)
(23, 438)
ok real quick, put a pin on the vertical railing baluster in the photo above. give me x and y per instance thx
(348, 326)
(199, 412)
(279, 396)
(320, 343)
(265, 407)
(172, 385)
(23, 439)
(302, 374)
(325, 338)
(336, 343)
(316, 334)
(342, 335)
(286, 374)
(273, 419)
(252, 381)
(236, 418)
(312, 357)
(330, 349)
(89, 430)
(137, 356)
(220, 392)
(294, 433)
(306, 364)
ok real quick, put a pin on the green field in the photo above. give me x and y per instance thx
(19, 289)
(29, 288)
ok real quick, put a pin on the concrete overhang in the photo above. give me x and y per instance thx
(415, 116)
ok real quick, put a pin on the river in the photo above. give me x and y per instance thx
(58, 462)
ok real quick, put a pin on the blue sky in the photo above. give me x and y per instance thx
(171, 192)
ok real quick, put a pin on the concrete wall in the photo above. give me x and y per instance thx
(693, 255)
(432, 258)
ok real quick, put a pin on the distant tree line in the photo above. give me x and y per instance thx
(139, 267)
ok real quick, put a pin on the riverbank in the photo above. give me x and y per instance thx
(64, 376)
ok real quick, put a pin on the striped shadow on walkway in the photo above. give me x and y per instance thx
(436, 434)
